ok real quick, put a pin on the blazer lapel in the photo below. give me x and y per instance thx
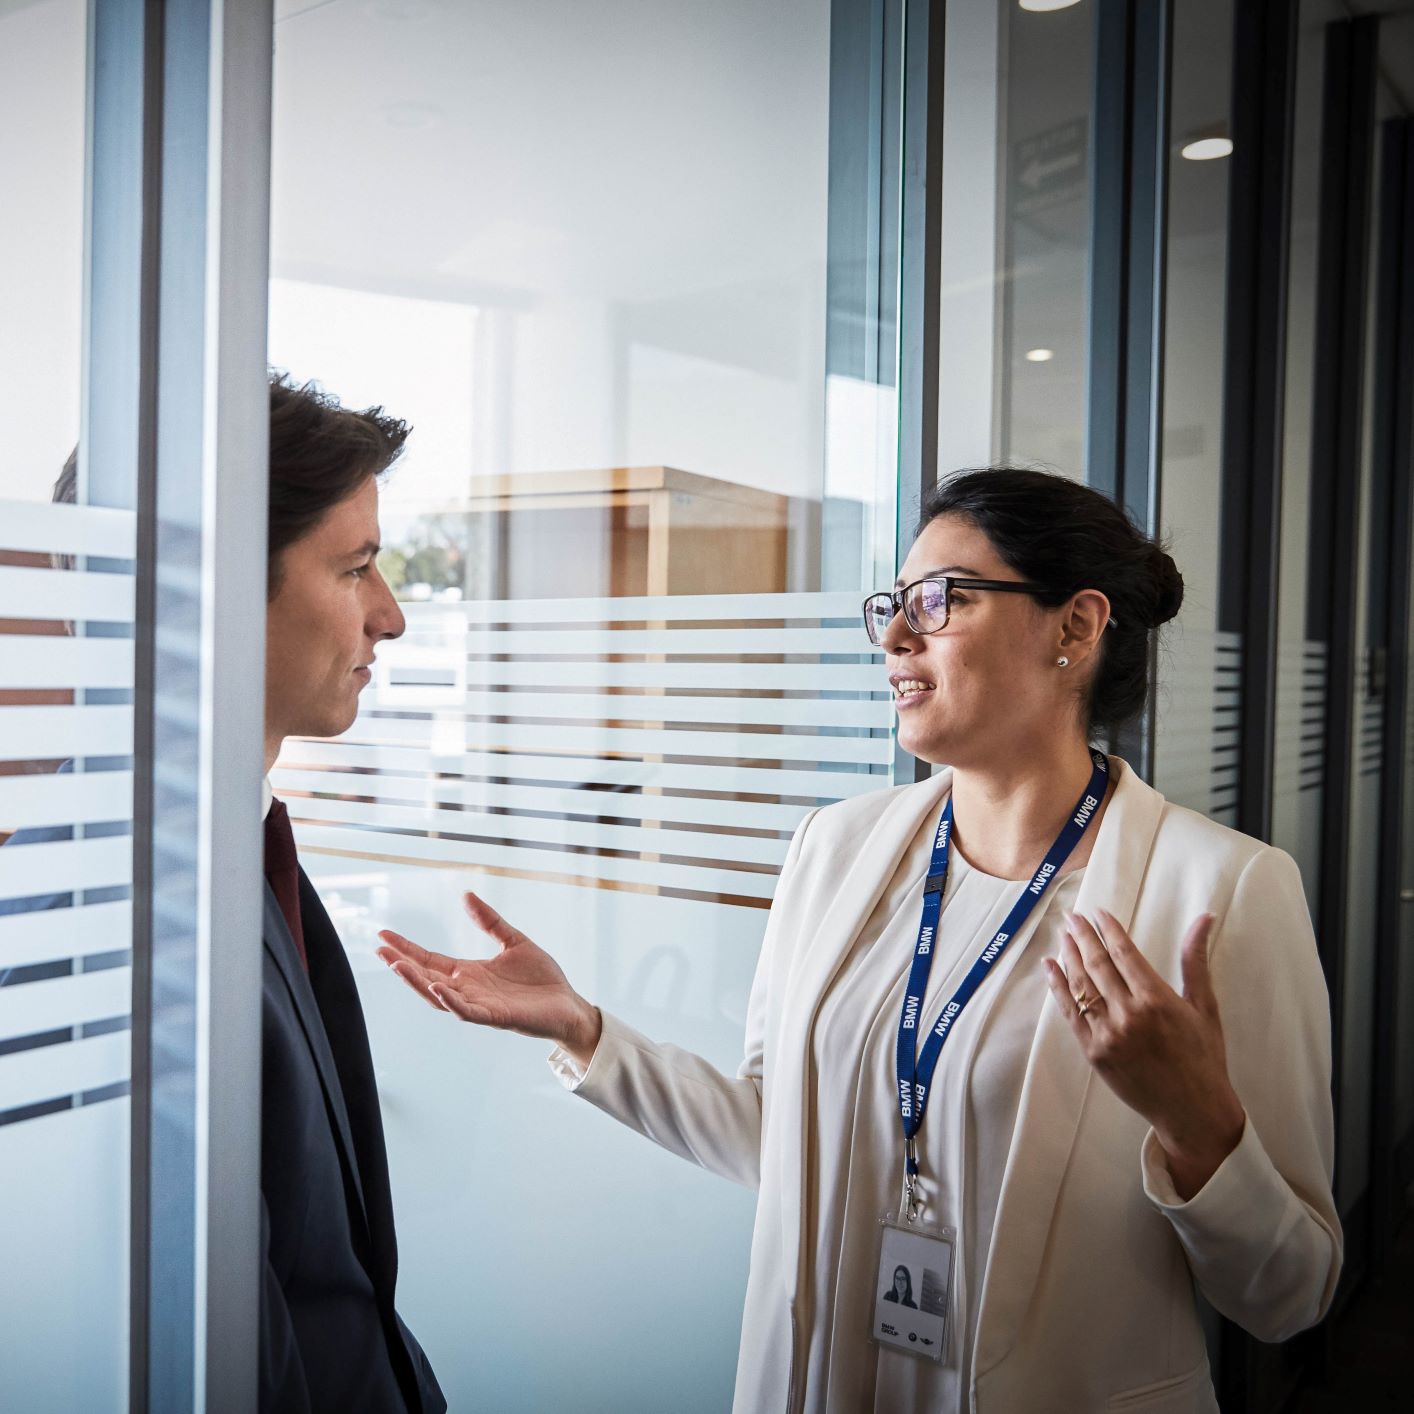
(816, 961)
(1058, 1078)
(281, 947)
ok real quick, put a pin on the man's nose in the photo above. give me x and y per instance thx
(387, 619)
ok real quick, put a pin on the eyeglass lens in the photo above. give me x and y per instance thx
(925, 609)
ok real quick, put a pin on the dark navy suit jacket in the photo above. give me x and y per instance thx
(330, 1340)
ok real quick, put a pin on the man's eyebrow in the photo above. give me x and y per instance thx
(366, 551)
(942, 569)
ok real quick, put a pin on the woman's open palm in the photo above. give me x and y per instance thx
(521, 988)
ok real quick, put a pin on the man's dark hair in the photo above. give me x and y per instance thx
(320, 454)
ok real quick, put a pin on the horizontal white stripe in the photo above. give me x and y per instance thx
(70, 798)
(55, 933)
(670, 775)
(731, 711)
(690, 844)
(487, 795)
(69, 1068)
(65, 866)
(417, 849)
(457, 734)
(723, 677)
(65, 529)
(65, 594)
(42, 660)
(32, 1007)
(682, 642)
(669, 607)
(63, 733)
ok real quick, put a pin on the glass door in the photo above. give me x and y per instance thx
(614, 264)
(67, 546)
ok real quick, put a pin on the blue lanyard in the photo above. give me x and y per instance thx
(915, 1070)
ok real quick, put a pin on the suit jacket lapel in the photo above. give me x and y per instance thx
(1058, 1078)
(336, 993)
(281, 947)
(818, 958)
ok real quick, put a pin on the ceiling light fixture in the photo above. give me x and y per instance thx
(1040, 355)
(1043, 6)
(1206, 149)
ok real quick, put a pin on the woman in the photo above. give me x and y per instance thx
(1133, 1095)
(902, 1289)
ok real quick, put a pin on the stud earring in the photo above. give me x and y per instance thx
(1062, 662)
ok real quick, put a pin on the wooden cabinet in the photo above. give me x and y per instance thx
(628, 531)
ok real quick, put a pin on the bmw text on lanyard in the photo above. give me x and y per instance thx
(915, 1069)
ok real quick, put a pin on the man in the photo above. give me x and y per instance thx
(330, 1339)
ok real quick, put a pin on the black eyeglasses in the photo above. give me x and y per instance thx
(927, 603)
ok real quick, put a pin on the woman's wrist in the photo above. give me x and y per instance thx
(583, 1038)
(1194, 1156)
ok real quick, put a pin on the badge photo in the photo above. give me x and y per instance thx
(913, 1290)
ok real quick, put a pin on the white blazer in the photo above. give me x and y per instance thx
(1087, 1303)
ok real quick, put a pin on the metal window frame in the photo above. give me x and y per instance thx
(176, 404)
(1342, 272)
(1393, 504)
(920, 272)
(1249, 1374)
(1259, 220)
(1129, 162)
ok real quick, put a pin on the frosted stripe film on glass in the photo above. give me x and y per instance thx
(70, 1068)
(65, 594)
(64, 733)
(55, 798)
(47, 934)
(545, 737)
(65, 866)
(59, 529)
(66, 675)
(64, 1001)
(42, 660)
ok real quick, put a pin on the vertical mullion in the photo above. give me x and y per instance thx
(1394, 457)
(1110, 136)
(1255, 369)
(1129, 164)
(198, 701)
(1347, 140)
(920, 257)
(117, 450)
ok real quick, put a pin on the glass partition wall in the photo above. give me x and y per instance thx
(66, 742)
(618, 274)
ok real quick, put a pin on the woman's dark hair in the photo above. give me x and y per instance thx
(907, 1282)
(320, 454)
(1059, 533)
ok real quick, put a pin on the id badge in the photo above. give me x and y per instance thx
(913, 1289)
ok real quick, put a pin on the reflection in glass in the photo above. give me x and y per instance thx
(600, 298)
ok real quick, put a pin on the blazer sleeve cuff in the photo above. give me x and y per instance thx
(590, 1080)
(1224, 1199)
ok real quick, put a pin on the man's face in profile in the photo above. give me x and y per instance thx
(330, 609)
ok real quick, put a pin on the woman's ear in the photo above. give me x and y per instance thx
(1083, 624)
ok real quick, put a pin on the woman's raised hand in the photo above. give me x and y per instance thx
(520, 989)
(1160, 1051)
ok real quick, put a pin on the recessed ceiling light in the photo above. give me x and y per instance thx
(1040, 355)
(1041, 6)
(1207, 149)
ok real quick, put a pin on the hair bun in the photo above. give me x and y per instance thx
(1168, 587)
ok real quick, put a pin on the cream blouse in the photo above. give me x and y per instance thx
(966, 1134)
